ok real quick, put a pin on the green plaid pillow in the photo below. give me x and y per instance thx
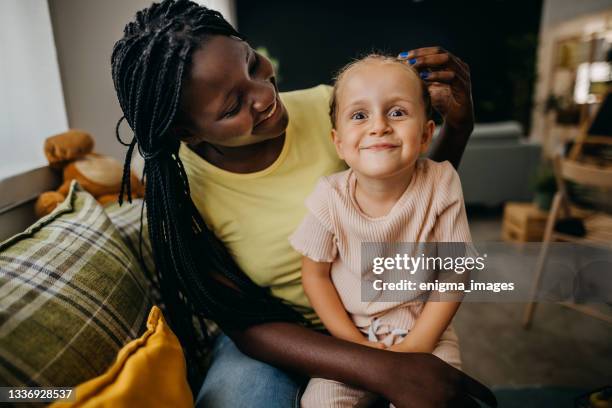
(71, 295)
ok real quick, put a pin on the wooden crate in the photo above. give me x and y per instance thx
(523, 222)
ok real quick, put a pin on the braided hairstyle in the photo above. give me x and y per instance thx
(150, 65)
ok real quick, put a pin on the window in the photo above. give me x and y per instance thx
(31, 98)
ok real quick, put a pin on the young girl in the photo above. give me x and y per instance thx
(380, 114)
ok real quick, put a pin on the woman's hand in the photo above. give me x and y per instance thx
(423, 380)
(448, 82)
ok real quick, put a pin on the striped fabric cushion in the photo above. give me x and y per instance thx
(71, 295)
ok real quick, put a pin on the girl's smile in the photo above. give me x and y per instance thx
(380, 146)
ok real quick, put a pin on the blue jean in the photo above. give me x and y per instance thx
(235, 381)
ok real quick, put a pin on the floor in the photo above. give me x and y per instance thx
(562, 348)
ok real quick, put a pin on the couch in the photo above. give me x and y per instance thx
(498, 164)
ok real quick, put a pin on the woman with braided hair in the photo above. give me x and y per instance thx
(228, 163)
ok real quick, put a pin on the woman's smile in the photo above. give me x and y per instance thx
(271, 115)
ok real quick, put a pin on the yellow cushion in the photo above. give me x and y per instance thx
(149, 371)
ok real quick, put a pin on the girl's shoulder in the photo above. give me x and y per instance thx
(335, 184)
(329, 190)
(327, 196)
(443, 181)
(438, 173)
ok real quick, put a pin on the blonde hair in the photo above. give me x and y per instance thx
(333, 105)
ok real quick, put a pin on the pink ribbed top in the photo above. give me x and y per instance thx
(430, 210)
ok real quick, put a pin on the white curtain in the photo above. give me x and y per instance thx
(31, 98)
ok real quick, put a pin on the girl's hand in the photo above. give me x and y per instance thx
(405, 347)
(448, 82)
(372, 344)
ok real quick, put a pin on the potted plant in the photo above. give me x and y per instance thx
(545, 187)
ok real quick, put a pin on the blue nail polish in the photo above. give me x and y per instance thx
(412, 61)
(403, 54)
(424, 74)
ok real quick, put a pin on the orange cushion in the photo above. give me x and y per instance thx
(149, 371)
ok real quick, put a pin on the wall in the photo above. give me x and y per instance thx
(85, 32)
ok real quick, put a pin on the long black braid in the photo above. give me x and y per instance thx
(149, 66)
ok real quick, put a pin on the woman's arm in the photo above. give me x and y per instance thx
(424, 336)
(449, 84)
(407, 379)
(450, 144)
(325, 301)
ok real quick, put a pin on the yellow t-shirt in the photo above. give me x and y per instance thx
(254, 214)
